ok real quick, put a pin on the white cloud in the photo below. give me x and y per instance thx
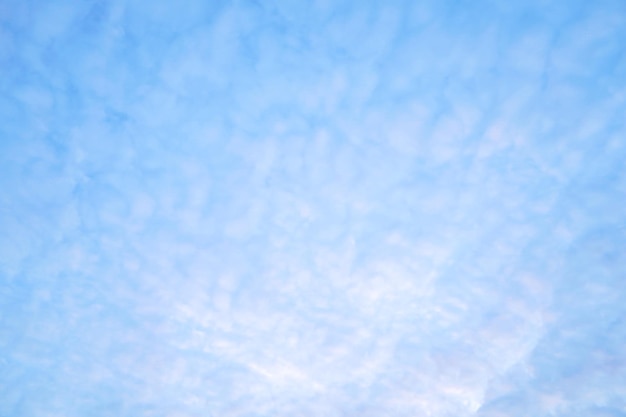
(249, 209)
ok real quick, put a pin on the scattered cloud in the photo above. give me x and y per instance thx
(339, 209)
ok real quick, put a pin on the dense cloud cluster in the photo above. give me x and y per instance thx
(325, 208)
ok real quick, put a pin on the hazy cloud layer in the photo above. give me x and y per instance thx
(245, 209)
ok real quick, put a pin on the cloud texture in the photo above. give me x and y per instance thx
(331, 208)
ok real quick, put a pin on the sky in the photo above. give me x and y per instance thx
(331, 208)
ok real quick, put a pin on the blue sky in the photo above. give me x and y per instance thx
(323, 208)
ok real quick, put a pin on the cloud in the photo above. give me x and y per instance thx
(245, 209)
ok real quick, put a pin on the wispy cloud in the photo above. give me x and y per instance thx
(338, 209)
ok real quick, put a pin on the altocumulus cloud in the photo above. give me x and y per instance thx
(325, 208)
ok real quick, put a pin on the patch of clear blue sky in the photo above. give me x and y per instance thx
(324, 208)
